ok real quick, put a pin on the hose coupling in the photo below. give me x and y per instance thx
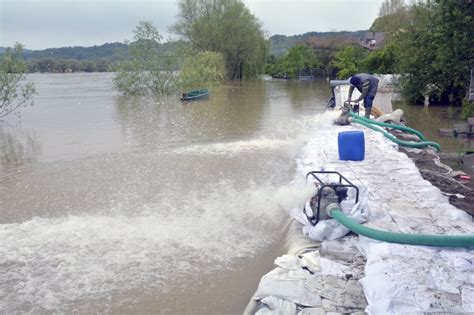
(332, 206)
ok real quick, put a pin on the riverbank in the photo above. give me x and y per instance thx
(461, 195)
(358, 274)
(448, 180)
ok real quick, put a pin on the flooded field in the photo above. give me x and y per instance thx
(113, 204)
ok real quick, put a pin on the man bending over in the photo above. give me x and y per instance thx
(367, 85)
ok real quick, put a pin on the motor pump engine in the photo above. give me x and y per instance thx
(328, 195)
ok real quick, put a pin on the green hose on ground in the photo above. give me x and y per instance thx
(421, 144)
(401, 238)
(387, 125)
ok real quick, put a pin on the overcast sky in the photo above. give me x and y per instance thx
(40, 24)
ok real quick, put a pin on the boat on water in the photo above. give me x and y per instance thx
(195, 95)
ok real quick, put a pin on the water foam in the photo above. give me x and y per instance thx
(52, 264)
(233, 148)
(49, 264)
(290, 135)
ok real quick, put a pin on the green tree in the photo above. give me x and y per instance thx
(394, 16)
(226, 27)
(15, 91)
(349, 61)
(149, 71)
(437, 50)
(389, 7)
(298, 57)
(384, 60)
(202, 70)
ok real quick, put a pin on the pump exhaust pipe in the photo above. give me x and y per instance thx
(333, 83)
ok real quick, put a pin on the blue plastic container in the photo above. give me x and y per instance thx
(351, 145)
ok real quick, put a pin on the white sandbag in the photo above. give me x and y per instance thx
(287, 285)
(275, 306)
(344, 293)
(312, 311)
(398, 278)
(395, 117)
(467, 296)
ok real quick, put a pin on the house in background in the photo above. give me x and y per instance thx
(372, 40)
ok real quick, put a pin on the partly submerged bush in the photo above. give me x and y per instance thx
(202, 70)
(149, 71)
(15, 92)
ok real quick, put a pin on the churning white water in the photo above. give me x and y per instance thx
(114, 205)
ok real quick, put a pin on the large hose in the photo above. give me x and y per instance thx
(411, 144)
(400, 238)
(387, 125)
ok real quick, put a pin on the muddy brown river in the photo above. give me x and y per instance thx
(121, 205)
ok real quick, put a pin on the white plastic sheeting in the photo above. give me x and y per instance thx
(312, 283)
(417, 278)
(398, 278)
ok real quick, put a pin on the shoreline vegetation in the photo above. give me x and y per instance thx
(429, 43)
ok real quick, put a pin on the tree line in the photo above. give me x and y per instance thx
(218, 39)
(70, 65)
(428, 43)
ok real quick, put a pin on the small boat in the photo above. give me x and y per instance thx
(195, 95)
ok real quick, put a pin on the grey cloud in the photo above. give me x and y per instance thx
(41, 24)
(67, 23)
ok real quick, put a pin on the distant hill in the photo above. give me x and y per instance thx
(111, 51)
(107, 51)
(281, 43)
(2, 50)
(118, 51)
(105, 57)
(82, 59)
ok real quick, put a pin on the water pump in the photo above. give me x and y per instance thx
(329, 195)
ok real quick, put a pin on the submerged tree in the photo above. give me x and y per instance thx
(202, 70)
(15, 92)
(149, 70)
(226, 27)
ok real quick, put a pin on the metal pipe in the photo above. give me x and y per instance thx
(334, 83)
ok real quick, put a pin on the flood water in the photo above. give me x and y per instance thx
(431, 119)
(120, 205)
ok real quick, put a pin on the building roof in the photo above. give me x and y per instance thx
(372, 40)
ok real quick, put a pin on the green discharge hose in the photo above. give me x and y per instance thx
(393, 126)
(411, 144)
(401, 238)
